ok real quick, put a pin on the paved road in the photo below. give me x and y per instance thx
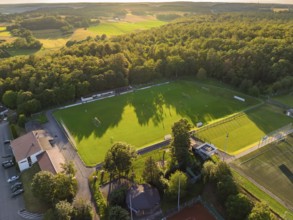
(70, 154)
(8, 206)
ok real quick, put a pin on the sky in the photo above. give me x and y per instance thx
(67, 1)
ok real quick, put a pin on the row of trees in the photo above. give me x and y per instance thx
(24, 40)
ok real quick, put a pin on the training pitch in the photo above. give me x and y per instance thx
(245, 130)
(272, 167)
(145, 116)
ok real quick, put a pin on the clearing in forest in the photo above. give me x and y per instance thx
(145, 116)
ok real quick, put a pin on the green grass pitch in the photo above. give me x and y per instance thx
(272, 167)
(246, 130)
(145, 116)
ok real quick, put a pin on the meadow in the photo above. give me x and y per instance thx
(272, 167)
(145, 116)
(286, 99)
(118, 28)
(245, 130)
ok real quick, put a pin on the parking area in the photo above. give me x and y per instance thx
(9, 206)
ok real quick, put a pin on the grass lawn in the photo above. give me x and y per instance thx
(272, 167)
(145, 116)
(40, 117)
(117, 28)
(286, 99)
(245, 131)
(32, 204)
(157, 155)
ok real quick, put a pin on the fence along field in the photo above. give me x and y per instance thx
(146, 116)
(272, 167)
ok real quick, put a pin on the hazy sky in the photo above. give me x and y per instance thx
(61, 1)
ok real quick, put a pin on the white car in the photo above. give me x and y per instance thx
(13, 178)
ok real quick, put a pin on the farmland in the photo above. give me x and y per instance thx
(118, 28)
(145, 116)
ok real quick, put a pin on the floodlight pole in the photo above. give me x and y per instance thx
(179, 193)
(131, 217)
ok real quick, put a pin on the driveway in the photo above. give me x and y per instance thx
(70, 154)
(9, 206)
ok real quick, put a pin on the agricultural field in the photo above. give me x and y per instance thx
(3, 32)
(286, 99)
(245, 129)
(118, 28)
(272, 167)
(145, 116)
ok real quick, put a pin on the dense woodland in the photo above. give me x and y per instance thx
(250, 51)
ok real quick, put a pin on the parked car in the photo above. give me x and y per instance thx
(12, 179)
(16, 186)
(8, 163)
(17, 192)
(6, 142)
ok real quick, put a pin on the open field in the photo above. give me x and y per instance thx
(286, 99)
(145, 116)
(272, 167)
(246, 130)
(3, 32)
(118, 28)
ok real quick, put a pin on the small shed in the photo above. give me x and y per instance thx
(289, 112)
(143, 199)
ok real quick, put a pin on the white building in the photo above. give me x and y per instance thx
(27, 147)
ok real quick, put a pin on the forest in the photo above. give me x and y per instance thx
(249, 51)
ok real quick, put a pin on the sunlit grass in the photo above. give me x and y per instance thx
(118, 28)
(245, 131)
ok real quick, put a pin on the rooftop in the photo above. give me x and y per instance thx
(30, 144)
(51, 161)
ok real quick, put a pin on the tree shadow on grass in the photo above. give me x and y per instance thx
(153, 105)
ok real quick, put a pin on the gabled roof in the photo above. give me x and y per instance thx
(51, 161)
(143, 197)
(30, 144)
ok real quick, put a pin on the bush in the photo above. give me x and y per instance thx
(101, 203)
(118, 197)
(21, 120)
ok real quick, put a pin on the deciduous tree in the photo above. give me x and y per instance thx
(181, 141)
(118, 159)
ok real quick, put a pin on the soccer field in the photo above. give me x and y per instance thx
(245, 130)
(145, 116)
(272, 167)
